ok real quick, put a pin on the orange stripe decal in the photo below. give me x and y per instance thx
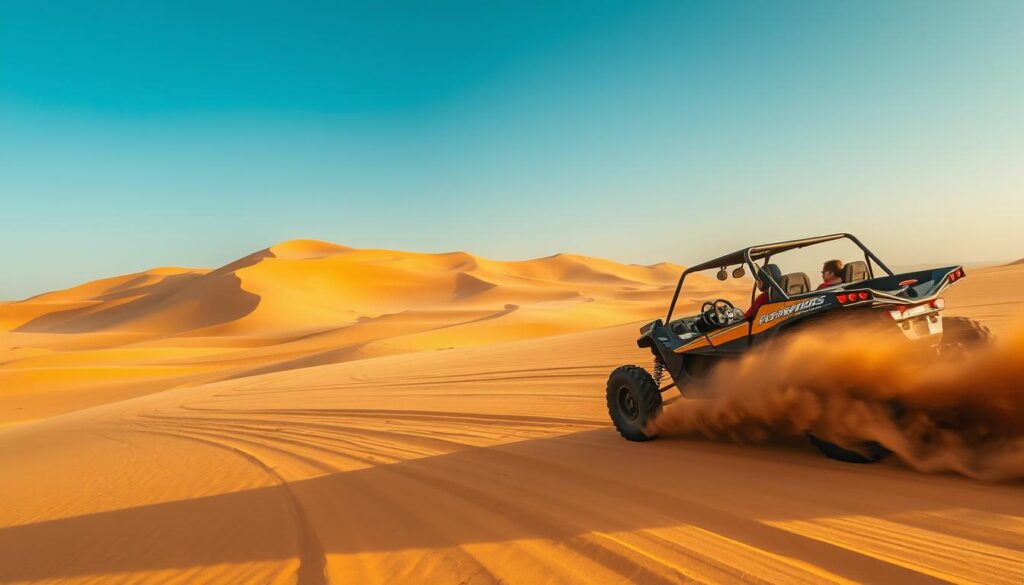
(769, 308)
(731, 334)
(696, 343)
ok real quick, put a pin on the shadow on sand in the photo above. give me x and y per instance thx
(535, 489)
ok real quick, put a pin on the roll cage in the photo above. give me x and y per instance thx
(750, 256)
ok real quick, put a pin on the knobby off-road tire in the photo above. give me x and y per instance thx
(869, 452)
(866, 452)
(960, 334)
(633, 399)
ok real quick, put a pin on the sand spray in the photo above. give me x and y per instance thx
(962, 412)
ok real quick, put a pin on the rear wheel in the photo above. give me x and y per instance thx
(869, 452)
(633, 399)
(864, 452)
(960, 334)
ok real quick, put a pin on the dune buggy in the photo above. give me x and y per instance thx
(688, 348)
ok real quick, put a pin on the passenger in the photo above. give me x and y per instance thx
(831, 274)
(758, 302)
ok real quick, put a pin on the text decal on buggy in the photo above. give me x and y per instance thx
(792, 310)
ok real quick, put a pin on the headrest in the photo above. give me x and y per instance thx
(855, 271)
(796, 283)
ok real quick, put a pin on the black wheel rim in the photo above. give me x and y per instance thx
(628, 404)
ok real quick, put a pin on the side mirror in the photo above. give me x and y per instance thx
(722, 274)
(738, 272)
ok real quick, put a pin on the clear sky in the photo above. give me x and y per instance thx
(138, 134)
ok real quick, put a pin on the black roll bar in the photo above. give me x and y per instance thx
(745, 256)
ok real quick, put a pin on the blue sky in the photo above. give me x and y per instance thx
(190, 133)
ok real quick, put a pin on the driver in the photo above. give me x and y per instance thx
(831, 274)
(759, 301)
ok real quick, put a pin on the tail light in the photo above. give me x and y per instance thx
(956, 275)
(906, 311)
(853, 297)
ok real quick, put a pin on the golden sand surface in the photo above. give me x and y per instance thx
(446, 424)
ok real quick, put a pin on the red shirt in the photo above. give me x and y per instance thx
(828, 284)
(758, 302)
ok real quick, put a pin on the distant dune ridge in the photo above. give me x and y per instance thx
(301, 303)
(308, 284)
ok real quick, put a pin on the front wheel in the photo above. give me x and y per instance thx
(633, 399)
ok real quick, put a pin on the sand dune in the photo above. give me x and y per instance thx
(307, 284)
(268, 461)
(297, 304)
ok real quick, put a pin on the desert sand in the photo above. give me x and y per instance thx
(318, 414)
(300, 304)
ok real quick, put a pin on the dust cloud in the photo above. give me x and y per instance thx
(961, 411)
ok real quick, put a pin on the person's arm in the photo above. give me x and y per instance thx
(758, 302)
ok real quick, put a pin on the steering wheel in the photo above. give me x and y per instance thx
(716, 313)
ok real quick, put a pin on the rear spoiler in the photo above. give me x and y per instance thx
(922, 284)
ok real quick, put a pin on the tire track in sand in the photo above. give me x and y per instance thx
(312, 559)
